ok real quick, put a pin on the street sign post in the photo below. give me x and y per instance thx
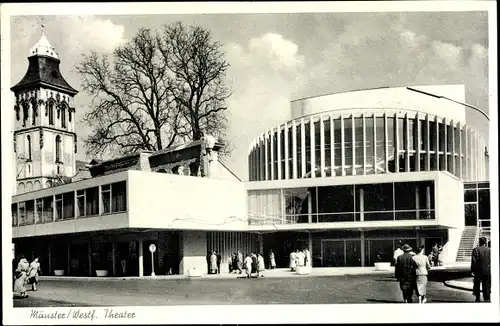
(152, 249)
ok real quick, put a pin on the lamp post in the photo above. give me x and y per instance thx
(152, 249)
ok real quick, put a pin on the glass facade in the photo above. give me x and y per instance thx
(477, 204)
(369, 143)
(343, 203)
(64, 206)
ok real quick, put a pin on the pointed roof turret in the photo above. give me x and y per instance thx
(43, 47)
(43, 69)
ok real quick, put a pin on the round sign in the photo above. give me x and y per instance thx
(152, 247)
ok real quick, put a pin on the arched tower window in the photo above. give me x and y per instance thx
(28, 139)
(51, 113)
(63, 116)
(58, 149)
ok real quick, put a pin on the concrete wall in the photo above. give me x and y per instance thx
(193, 251)
(450, 209)
(159, 200)
(397, 97)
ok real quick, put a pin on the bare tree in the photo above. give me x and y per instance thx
(150, 95)
(198, 68)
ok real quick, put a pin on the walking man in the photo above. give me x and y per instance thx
(405, 273)
(481, 270)
(398, 252)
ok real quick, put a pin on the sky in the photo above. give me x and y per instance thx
(277, 58)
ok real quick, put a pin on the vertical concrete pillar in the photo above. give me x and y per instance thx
(312, 145)
(419, 141)
(427, 142)
(266, 156)
(287, 154)
(303, 147)
(90, 257)
(309, 208)
(113, 253)
(386, 145)
(260, 238)
(294, 150)
(278, 152)
(322, 147)
(50, 258)
(363, 248)
(69, 258)
(342, 144)
(194, 250)
(396, 142)
(332, 147)
(364, 142)
(141, 256)
(310, 247)
(271, 141)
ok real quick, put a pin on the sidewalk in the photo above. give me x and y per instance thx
(274, 273)
(465, 284)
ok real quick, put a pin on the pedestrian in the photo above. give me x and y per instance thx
(213, 263)
(293, 261)
(300, 258)
(435, 254)
(481, 270)
(230, 263)
(20, 276)
(240, 262)
(261, 266)
(254, 263)
(272, 259)
(34, 271)
(219, 260)
(398, 252)
(209, 269)
(440, 255)
(421, 271)
(405, 273)
(308, 257)
(248, 265)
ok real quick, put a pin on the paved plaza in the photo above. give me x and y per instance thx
(372, 288)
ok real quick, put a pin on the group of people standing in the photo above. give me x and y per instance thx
(300, 258)
(251, 263)
(26, 273)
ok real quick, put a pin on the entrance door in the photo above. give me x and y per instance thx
(353, 253)
(470, 214)
(430, 242)
(333, 253)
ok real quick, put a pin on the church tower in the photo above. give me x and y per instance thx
(44, 132)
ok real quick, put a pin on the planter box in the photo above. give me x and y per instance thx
(58, 272)
(193, 272)
(304, 270)
(382, 266)
(101, 272)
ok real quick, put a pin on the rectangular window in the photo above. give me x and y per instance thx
(348, 140)
(14, 214)
(59, 207)
(69, 205)
(337, 140)
(335, 203)
(441, 137)
(299, 150)
(369, 121)
(484, 204)
(80, 202)
(449, 138)
(39, 211)
(22, 213)
(328, 144)
(402, 134)
(423, 134)
(119, 197)
(358, 141)
(106, 199)
(48, 209)
(307, 129)
(92, 201)
(30, 212)
(432, 135)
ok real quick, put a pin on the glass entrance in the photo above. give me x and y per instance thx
(333, 253)
(341, 253)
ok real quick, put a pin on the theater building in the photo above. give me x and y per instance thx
(347, 177)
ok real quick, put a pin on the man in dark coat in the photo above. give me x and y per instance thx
(481, 270)
(219, 260)
(405, 273)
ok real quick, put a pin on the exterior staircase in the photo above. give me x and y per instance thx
(467, 243)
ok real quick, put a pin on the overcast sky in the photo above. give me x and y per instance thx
(276, 58)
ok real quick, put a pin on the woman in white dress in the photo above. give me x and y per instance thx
(261, 267)
(300, 258)
(213, 263)
(272, 259)
(308, 257)
(293, 261)
(248, 265)
(34, 270)
(422, 270)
